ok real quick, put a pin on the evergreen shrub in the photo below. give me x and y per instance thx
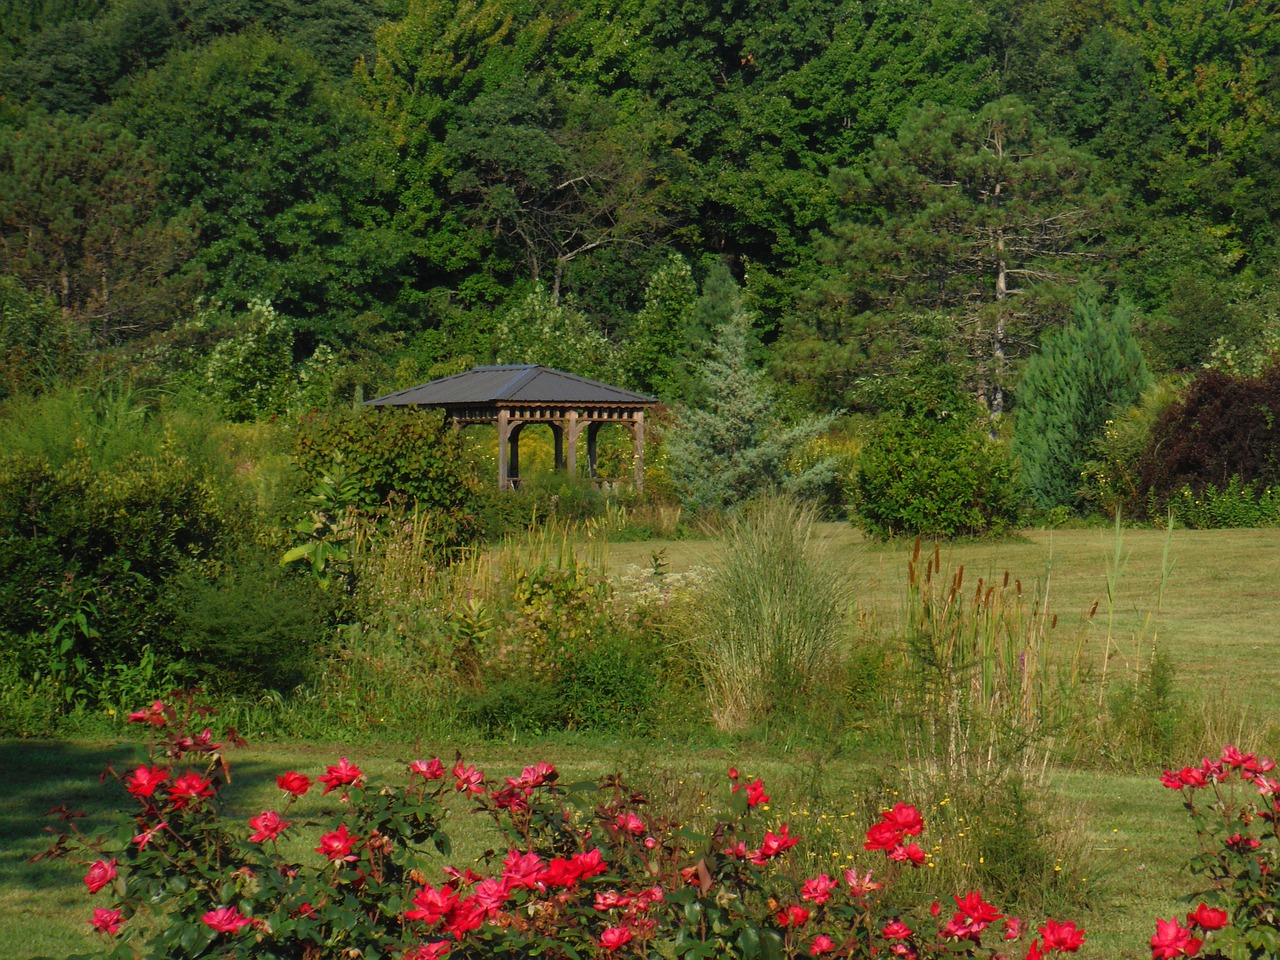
(1083, 373)
(936, 478)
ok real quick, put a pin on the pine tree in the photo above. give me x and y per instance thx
(732, 445)
(1083, 373)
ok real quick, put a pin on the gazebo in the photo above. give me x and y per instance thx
(512, 397)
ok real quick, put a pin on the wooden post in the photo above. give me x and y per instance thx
(504, 435)
(637, 433)
(572, 427)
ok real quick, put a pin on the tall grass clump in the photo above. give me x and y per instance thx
(982, 695)
(771, 614)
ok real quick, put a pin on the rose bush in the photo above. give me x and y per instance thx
(578, 871)
(1234, 803)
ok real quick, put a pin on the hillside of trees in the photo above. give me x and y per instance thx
(888, 207)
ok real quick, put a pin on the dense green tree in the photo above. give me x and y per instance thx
(1082, 376)
(560, 175)
(981, 216)
(38, 346)
(655, 340)
(552, 332)
(85, 219)
(278, 161)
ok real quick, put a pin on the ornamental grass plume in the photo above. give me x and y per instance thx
(770, 615)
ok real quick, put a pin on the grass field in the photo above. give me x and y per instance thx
(1218, 617)
(1216, 620)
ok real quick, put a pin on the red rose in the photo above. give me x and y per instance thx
(267, 826)
(337, 844)
(226, 920)
(154, 715)
(897, 930)
(189, 788)
(1063, 937)
(294, 783)
(615, 937)
(144, 780)
(1171, 940)
(107, 921)
(821, 944)
(792, 916)
(1207, 918)
(341, 774)
(100, 874)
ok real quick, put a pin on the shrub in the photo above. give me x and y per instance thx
(1239, 504)
(94, 548)
(1223, 427)
(1082, 374)
(249, 626)
(407, 456)
(1110, 477)
(936, 478)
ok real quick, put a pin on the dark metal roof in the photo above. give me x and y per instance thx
(522, 384)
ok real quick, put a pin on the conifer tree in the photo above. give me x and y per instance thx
(732, 445)
(1083, 373)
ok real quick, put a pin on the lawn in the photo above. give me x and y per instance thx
(1215, 620)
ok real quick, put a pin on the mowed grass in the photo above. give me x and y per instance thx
(1217, 620)
(1217, 617)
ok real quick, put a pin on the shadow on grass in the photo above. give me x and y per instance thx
(42, 775)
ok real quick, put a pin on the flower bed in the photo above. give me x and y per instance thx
(578, 870)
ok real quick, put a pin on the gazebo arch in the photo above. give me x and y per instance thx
(511, 397)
